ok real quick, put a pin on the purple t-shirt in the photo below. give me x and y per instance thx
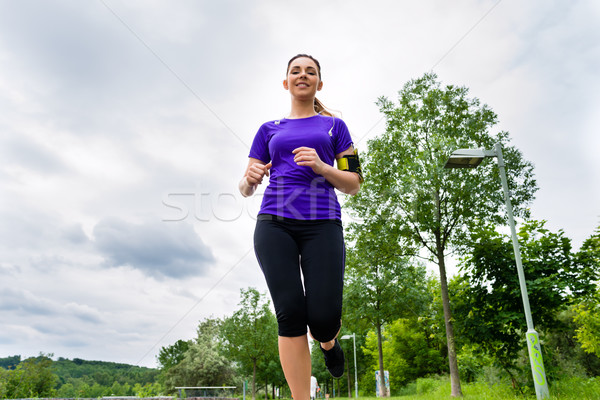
(296, 191)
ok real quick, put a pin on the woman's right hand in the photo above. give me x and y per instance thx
(254, 175)
(256, 172)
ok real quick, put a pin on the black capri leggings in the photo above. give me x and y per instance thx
(292, 252)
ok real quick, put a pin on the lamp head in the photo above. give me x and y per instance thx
(465, 158)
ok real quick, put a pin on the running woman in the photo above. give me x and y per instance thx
(298, 239)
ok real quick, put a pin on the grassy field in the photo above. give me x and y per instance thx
(574, 389)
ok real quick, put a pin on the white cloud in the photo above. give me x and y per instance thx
(156, 248)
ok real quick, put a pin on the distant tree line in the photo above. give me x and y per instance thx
(42, 377)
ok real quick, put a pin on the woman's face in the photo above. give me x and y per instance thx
(303, 80)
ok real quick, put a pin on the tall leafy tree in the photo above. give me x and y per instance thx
(172, 355)
(587, 318)
(489, 292)
(32, 377)
(424, 205)
(380, 286)
(250, 334)
(587, 315)
(411, 353)
(202, 363)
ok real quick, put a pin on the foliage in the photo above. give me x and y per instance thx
(588, 311)
(410, 353)
(569, 389)
(250, 335)
(202, 363)
(172, 355)
(148, 390)
(74, 378)
(588, 320)
(588, 257)
(472, 361)
(380, 288)
(409, 200)
(103, 373)
(565, 357)
(10, 362)
(576, 388)
(488, 293)
(407, 184)
(427, 385)
(32, 377)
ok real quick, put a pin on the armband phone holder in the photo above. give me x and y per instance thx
(351, 163)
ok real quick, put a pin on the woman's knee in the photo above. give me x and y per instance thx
(324, 327)
(291, 319)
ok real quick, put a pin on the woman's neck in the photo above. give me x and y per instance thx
(302, 110)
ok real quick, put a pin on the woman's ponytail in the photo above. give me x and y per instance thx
(321, 109)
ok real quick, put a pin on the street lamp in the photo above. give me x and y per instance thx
(353, 337)
(470, 158)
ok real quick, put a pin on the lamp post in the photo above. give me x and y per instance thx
(353, 337)
(471, 158)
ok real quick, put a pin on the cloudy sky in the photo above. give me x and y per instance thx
(125, 126)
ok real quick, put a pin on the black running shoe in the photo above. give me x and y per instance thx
(334, 360)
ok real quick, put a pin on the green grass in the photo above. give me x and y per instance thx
(432, 389)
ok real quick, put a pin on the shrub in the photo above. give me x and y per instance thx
(427, 385)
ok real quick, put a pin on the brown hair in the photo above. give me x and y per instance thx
(319, 107)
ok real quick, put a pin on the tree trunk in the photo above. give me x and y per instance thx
(383, 390)
(266, 389)
(455, 390)
(254, 380)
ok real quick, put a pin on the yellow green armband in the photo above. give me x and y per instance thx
(351, 163)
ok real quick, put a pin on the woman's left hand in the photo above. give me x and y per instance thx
(306, 156)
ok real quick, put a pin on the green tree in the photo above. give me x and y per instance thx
(411, 353)
(202, 364)
(250, 334)
(68, 391)
(10, 362)
(148, 390)
(80, 371)
(32, 377)
(566, 358)
(172, 355)
(318, 369)
(587, 313)
(407, 187)
(587, 318)
(4, 380)
(118, 389)
(270, 371)
(380, 286)
(489, 291)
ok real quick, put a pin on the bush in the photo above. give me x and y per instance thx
(576, 388)
(481, 390)
(428, 385)
(409, 389)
